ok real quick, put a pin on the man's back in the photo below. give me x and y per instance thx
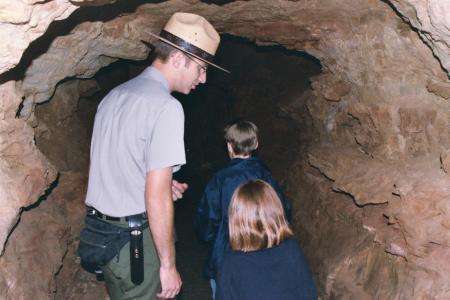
(124, 146)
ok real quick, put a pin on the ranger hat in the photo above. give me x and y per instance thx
(193, 35)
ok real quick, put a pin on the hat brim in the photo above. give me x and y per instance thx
(187, 52)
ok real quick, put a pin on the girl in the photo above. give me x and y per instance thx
(266, 262)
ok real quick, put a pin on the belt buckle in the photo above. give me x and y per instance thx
(92, 211)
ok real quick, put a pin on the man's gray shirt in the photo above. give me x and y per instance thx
(138, 127)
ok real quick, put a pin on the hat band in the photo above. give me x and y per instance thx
(188, 47)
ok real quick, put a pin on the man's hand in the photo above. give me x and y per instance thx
(178, 188)
(170, 282)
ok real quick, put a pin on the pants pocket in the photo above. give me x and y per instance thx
(117, 273)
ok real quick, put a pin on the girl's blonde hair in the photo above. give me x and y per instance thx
(256, 218)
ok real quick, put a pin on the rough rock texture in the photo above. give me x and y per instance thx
(24, 21)
(33, 255)
(39, 245)
(39, 260)
(65, 122)
(412, 224)
(445, 161)
(372, 188)
(441, 89)
(25, 172)
(432, 20)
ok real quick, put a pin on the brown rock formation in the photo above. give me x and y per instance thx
(445, 161)
(25, 172)
(63, 131)
(22, 22)
(431, 19)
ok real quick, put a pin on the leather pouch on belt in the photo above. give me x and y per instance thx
(100, 242)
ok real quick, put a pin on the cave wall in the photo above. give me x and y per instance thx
(372, 189)
(25, 172)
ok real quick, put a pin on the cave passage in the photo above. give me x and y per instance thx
(359, 138)
(263, 81)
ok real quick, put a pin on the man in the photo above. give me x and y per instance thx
(137, 143)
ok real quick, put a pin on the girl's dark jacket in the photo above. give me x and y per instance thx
(211, 220)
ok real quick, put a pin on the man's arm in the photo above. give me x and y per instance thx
(160, 210)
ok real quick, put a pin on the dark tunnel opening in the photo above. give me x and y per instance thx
(264, 83)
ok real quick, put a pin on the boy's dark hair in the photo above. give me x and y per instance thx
(242, 136)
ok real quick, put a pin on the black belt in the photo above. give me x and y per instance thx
(93, 212)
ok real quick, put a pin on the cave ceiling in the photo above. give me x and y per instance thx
(358, 43)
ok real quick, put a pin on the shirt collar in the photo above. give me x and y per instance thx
(237, 160)
(155, 74)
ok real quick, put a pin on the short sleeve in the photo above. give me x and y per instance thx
(165, 148)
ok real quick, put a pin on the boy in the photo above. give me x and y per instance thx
(211, 220)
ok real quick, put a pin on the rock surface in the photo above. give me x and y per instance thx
(24, 21)
(65, 122)
(432, 20)
(25, 172)
(46, 237)
(39, 260)
(445, 161)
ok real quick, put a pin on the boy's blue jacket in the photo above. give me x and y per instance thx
(211, 220)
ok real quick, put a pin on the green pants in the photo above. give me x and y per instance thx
(118, 276)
